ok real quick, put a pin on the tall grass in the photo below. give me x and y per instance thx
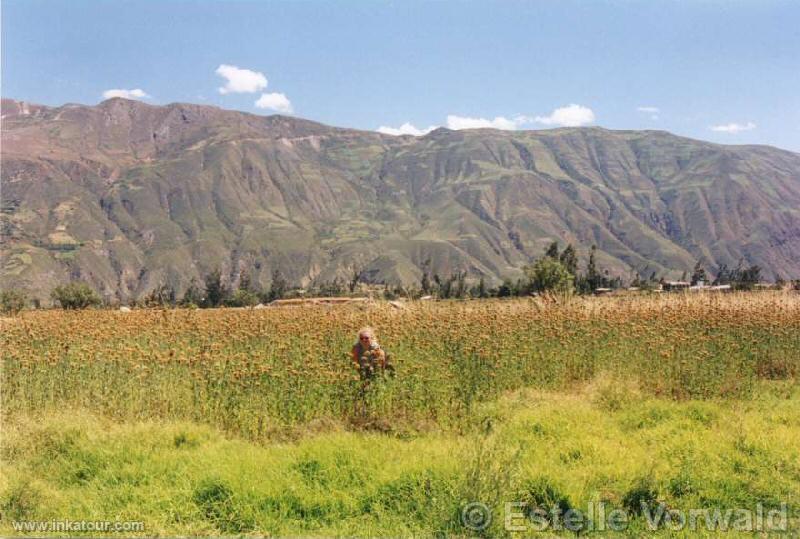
(260, 373)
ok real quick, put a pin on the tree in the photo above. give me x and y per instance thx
(480, 290)
(552, 251)
(569, 259)
(591, 267)
(243, 298)
(425, 283)
(246, 282)
(216, 291)
(549, 275)
(454, 286)
(193, 295)
(439, 285)
(739, 278)
(506, 289)
(445, 287)
(75, 295)
(161, 296)
(699, 274)
(330, 288)
(460, 281)
(12, 301)
(750, 277)
(278, 287)
(592, 279)
(354, 279)
(723, 275)
(246, 295)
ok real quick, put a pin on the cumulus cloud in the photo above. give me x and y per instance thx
(733, 127)
(240, 81)
(652, 111)
(499, 122)
(136, 93)
(405, 129)
(275, 101)
(570, 116)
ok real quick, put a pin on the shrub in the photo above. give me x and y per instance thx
(546, 503)
(216, 291)
(612, 394)
(540, 495)
(682, 484)
(21, 501)
(215, 500)
(161, 296)
(193, 296)
(643, 496)
(243, 298)
(12, 301)
(549, 275)
(75, 295)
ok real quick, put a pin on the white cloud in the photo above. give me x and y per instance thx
(733, 127)
(136, 93)
(405, 129)
(275, 101)
(652, 111)
(456, 122)
(569, 116)
(240, 81)
(500, 122)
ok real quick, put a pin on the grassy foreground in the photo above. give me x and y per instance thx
(251, 422)
(600, 444)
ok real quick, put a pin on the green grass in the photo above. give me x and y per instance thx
(601, 443)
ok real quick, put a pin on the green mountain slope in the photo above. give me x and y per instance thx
(127, 196)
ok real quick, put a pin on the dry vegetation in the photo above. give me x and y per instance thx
(252, 372)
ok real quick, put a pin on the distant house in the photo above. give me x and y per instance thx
(672, 286)
(316, 301)
(701, 286)
(714, 288)
(720, 287)
(601, 291)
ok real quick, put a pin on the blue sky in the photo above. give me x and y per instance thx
(726, 71)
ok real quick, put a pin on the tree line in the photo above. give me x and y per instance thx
(557, 271)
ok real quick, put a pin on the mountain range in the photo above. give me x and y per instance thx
(128, 196)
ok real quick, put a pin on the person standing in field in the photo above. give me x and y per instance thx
(368, 356)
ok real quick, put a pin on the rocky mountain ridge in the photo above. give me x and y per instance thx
(128, 196)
